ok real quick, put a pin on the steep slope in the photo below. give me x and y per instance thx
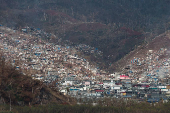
(114, 27)
(154, 46)
(19, 89)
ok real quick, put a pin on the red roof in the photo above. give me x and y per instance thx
(101, 83)
(99, 90)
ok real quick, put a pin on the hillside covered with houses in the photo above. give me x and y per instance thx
(85, 56)
(143, 77)
(115, 28)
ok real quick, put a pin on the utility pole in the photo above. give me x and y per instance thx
(10, 102)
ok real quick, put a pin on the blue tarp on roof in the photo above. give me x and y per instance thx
(74, 89)
(127, 96)
(5, 48)
(37, 54)
(152, 100)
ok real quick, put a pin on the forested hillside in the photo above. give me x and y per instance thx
(114, 27)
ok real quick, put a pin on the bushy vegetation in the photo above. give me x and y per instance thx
(19, 89)
(121, 107)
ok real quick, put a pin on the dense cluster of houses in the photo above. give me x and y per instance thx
(40, 58)
(144, 78)
(119, 87)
